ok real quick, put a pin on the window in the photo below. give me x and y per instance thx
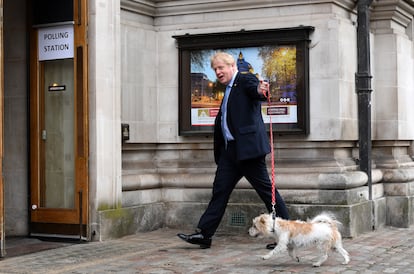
(278, 55)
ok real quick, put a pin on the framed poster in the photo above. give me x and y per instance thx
(279, 55)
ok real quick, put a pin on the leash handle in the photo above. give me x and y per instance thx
(266, 93)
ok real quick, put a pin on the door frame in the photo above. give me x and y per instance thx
(76, 221)
(2, 212)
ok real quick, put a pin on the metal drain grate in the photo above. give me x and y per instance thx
(238, 219)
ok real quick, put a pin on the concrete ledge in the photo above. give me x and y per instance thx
(400, 211)
(380, 212)
(291, 196)
(304, 180)
(178, 200)
(356, 219)
(117, 223)
(399, 189)
(342, 181)
(351, 207)
(357, 214)
(399, 175)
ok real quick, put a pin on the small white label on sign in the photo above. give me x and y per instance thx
(55, 42)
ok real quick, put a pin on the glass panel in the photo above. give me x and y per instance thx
(58, 135)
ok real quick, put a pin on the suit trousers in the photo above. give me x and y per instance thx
(228, 174)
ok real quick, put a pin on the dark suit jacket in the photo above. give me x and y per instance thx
(244, 119)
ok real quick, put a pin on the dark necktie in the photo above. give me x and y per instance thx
(226, 132)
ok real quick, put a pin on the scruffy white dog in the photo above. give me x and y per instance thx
(321, 231)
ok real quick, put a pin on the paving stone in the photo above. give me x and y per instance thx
(386, 250)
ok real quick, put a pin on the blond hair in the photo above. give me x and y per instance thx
(222, 56)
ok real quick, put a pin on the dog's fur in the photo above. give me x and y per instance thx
(321, 231)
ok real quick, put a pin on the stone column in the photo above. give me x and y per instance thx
(105, 189)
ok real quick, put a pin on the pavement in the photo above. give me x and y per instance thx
(386, 250)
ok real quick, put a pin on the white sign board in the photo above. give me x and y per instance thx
(55, 42)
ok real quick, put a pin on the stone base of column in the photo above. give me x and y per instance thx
(399, 189)
(344, 194)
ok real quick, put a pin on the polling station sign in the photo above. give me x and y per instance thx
(55, 42)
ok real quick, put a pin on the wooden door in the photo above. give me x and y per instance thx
(58, 124)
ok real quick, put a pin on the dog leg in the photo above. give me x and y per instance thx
(321, 260)
(323, 248)
(342, 251)
(280, 247)
(292, 252)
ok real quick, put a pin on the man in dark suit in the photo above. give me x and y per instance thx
(240, 147)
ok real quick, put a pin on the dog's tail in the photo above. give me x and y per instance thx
(326, 217)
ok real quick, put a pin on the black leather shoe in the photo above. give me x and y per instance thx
(196, 239)
(271, 246)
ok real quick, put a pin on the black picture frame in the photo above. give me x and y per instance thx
(196, 89)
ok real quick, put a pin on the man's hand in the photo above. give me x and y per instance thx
(263, 88)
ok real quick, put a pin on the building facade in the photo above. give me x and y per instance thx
(93, 141)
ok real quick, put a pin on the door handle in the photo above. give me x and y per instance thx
(44, 135)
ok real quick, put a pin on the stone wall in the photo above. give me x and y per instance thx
(313, 173)
(16, 156)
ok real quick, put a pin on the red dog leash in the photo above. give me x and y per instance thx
(266, 94)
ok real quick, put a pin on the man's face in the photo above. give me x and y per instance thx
(224, 72)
